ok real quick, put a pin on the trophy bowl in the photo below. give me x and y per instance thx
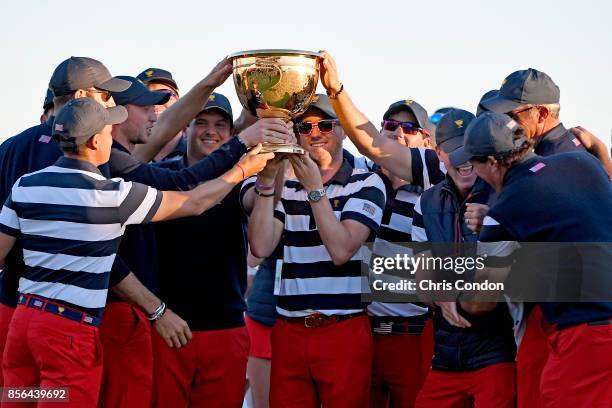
(276, 83)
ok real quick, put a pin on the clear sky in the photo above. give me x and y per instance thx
(438, 53)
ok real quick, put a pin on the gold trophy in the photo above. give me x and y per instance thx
(276, 84)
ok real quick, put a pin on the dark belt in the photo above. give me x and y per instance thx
(58, 309)
(318, 319)
(398, 325)
(600, 323)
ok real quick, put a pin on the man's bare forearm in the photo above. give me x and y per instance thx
(365, 136)
(133, 291)
(173, 120)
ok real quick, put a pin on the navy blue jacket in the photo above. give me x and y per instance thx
(490, 340)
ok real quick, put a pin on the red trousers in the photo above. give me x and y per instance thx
(210, 371)
(531, 357)
(47, 350)
(427, 346)
(329, 365)
(127, 378)
(578, 372)
(6, 314)
(397, 372)
(492, 386)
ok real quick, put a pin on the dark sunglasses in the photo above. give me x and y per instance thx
(407, 127)
(104, 95)
(324, 126)
(515, 114)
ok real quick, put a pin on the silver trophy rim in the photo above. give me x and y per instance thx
(273, 52)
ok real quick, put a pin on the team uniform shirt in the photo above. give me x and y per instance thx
(544, 199)
(139, 246)
(308, 282)
(558, 140)
(70, 220)
(202, 263)
(396, 225)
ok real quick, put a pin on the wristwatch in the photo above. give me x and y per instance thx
(316, 195)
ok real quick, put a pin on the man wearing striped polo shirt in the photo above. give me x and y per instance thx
(70, 219)
(397, 377)
(322, 341)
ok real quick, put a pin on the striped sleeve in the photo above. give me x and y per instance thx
(367, 204)
(426, 169)
(418, 226)
(247, 184)
(9, 221)
(496, 244)
(140, 203)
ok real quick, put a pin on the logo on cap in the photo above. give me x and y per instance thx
(60, 310)
(149, 73)
(459, 123)
(211, 97)
(59, 127)
(408, 101)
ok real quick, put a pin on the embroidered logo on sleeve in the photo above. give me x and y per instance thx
(44, 138)
(576, 141)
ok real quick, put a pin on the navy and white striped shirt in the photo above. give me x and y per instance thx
(70, 220)
(309, 281)
(396, 225)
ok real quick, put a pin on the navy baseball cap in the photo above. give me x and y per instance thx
(489, 94)
(82, 118)
(451, 129)
(489, 134)
(528, 86)
(322, 103)
(220, 102)
(82, 73)
(48, 102)
(138, 94)
(437, 115)
(158, 75)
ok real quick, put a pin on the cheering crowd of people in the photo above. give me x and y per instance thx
(154, 255)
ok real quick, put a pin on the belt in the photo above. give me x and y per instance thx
(58, 309)
(318, 319)
(398, 325)
(600, 323)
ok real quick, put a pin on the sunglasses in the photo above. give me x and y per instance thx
(515, 114)
(104, 95)
(407, 127)
(324, 126)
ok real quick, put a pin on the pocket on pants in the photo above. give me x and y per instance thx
(122, 325)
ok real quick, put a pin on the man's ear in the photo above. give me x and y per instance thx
(93, 142)
(543, 113)
(427, 143)
(80, 93)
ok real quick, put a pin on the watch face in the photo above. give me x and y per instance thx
(314, 195)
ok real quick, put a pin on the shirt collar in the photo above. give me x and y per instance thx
(517, 168)
(119, 146)
(553, 134)
(342, 176)
(70, 163)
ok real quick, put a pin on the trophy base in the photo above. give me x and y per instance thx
(282, 148)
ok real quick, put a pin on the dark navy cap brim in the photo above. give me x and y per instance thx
(452, 144)
(115, 85)
(151, 98)
(459, 157)
(500, 104)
